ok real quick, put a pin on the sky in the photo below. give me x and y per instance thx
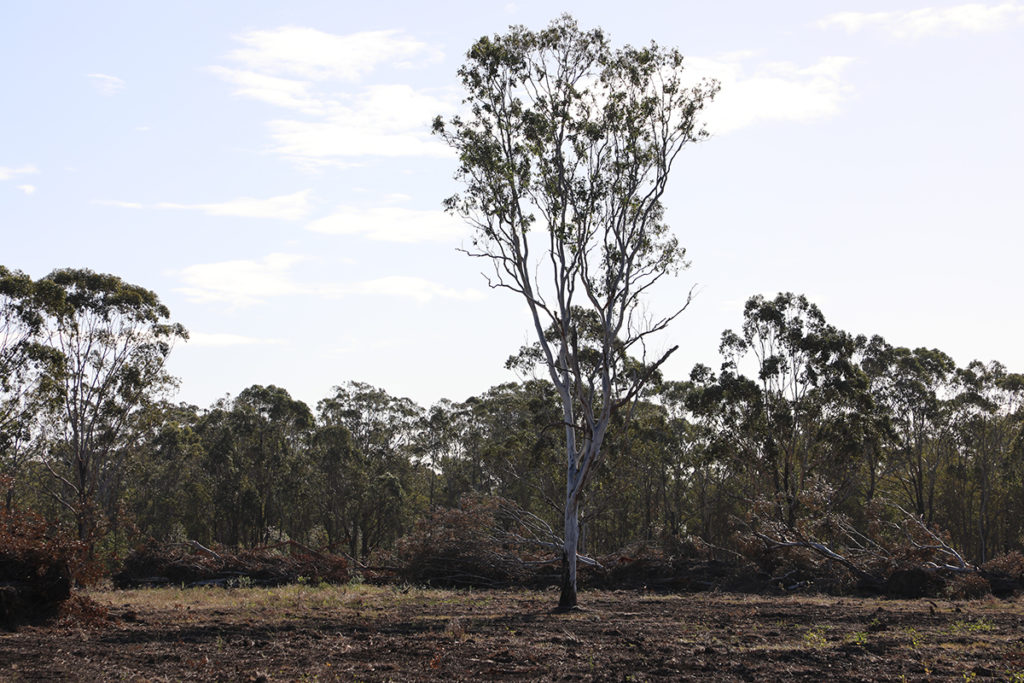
(268, 169)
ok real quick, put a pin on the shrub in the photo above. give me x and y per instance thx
(1005, 573)
(967, 586)
(38, 564)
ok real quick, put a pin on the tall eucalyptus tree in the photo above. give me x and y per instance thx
(565, 150)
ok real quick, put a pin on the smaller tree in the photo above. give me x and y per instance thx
(911, 391)
(803, 424)
(256, 447)
(24, 362)
(170, 490)
(113, 339)
(364, 439)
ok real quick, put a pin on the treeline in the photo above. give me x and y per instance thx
(803, 433)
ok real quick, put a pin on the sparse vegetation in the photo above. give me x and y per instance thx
(369, 632)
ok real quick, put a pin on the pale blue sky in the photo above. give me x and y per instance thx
(267, 169)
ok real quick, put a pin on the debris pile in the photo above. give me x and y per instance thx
(459, 548)
(191, 564)
(36, 563)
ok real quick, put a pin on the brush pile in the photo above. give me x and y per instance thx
(457, 548)
(190, 564)
(36, 568)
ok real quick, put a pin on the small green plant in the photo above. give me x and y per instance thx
(967, 626)
(859, 638)
(241, 582)
(915, 637)
(815, 637)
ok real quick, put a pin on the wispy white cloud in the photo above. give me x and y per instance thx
(289, 207)
(319, 74)
(314, 55)
(241, 283)
(248, 282)
(380, 120)
(391, 224)
(770, 91)
(413, 287)
(119, 204)
(971, 18)
(221, 339)
(106, 84)
(27, 189)
(7, 172)
(281, 92)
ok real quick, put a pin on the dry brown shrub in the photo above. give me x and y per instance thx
(967, 587)
(1005, 573)
(39, 562)
(80, 610)
(1010, 565)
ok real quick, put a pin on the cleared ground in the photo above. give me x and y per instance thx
(390, 633)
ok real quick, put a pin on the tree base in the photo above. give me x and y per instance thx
(567, 600)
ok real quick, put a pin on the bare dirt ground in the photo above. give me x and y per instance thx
(360, 632)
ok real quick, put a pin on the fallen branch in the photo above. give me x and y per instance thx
(203, 549)
(541, 535)
(819, 548)
(940, 546)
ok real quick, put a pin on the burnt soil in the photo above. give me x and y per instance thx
(375, 633)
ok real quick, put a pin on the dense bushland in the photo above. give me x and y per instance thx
(805, 439)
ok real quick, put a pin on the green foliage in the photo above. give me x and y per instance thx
(171, 490)
(256, 449)
(26, 368)
(815, 637)
(805, 432)
(82, 354)
(364, 445)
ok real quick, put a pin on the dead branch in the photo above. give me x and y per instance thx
(939, 546)
(203, 549)
(540, 533)
(817, 547)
